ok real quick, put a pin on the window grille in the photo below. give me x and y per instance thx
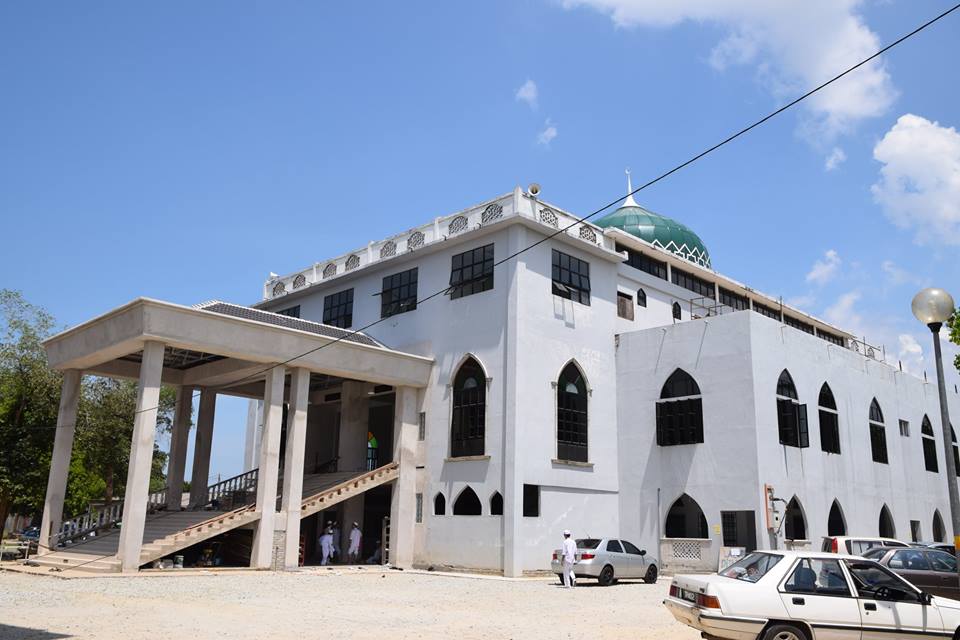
(471, 272)
(352, 262)
(691, 282)
(419, 508)
(572, 415)
(422, 429)
(679, 411)
(492, 212)
(415, 241)
(330, 270)
(457, 225)
(388, 250)
(399, 293)
(468, 424)
(549, 217)
(571, 278)
(624, 305)
(588, 234)
(338, 309)
(300, 281)
(279, 289)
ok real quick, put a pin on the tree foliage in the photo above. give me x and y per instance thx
(953, 324)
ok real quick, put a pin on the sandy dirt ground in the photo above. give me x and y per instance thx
(314, 603)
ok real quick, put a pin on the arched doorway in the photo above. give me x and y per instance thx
(795, 524)
(939, 531)
(685, 519)
(887, 530)
(836, 525)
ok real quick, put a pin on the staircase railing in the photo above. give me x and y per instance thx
(102, 517)
(234, 491)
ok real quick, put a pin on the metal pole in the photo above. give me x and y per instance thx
(947, 445)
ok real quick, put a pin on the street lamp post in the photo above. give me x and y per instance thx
(933, 307)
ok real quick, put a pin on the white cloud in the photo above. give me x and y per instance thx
(801, 302)
(897, 275)
(843, 314)
(548, 134)
(823, 271)
(910, 354)
(919, 186)
(794, 47)
(528, 93)
(835, 159)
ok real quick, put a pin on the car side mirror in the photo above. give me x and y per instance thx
(925, 598)
(643, 552)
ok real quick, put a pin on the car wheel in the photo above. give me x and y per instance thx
(784, 632)
(651, 576)
(606, 576)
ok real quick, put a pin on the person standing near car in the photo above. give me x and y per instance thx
(569, 552)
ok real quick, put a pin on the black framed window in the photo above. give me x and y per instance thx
(829, 421)
(679, 411)
(399, 293)
(956, 451)
(791, 415)
(878, 437)
(929, 446)
(829, 337)
(764, 310)
(798, 324)
(571, 415)
(734, 300)
(641, 298)
(338, 309)
(624, 305)
(531, 501)
(645, 263)
(468, 426)
(471, 272)
(571, 278)
(689, 281)
(677, 312)
(293, 312)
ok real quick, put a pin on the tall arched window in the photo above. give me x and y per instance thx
(641, 298)
(929, 446)
(886, 528)
(679, 411)
(439, 505)
(956, 451)
(791, 415)
(469, 411)
(676, 311)
(878, 437)
(794, 524)
(829, 421)
(571, 415)
(939, 531)
(496, 504)
(685, 519)
(836, 524)
(467, 503)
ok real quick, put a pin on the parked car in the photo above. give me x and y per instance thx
(932, 570)
(31, 534)
(607, 560)
(939, 546)
(804, 595)
(856, 545)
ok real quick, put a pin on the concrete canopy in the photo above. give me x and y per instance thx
(207, 348)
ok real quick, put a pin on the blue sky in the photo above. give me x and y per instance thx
(183, 151)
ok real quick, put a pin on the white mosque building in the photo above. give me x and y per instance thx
(518, 372)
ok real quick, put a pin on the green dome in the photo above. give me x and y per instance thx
(660, 231)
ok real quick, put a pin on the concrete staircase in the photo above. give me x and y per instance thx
(325, 493)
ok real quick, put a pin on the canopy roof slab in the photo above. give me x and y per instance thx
(223, 345)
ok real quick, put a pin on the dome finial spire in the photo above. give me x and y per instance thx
(629, 201)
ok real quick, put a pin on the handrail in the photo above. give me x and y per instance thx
(103, 516)
(239, 483)
(345, 484)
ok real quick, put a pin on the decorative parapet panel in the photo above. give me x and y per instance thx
(687, 554)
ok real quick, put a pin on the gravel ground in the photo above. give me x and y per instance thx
(346, 603)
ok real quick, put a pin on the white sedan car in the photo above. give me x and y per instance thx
(796, 595)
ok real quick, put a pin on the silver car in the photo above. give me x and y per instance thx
(607, 560)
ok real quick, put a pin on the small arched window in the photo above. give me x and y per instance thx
(886, 528)
(676, 311)
(956, 452)
(467, 503)
(685, 519)
(939, 532)
(836, 525)
(469, 411)
(829, 420)
(929, 446)
(641, 298)
(878, 437)
(791, 415)
(439, 505)
(571, 415)
(679, 411)
(496, 504)
(795, 524)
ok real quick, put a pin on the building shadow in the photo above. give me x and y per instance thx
(10, 632)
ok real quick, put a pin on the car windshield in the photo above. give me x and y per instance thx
(753, 567)
(588, 543)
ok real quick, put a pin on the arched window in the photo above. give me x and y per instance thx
(878, 437)
(829, 421)
(791, 415)
(679, 411)
(496, 504)
(956, 452)
(939, 532)
(794, 524)
(571, 415)
(641, 298)
(685, 519)
(887, 530)
(929, 446)
(676, 311)
(467, 503)
(836, 525)
(469, 411)
(439, 505)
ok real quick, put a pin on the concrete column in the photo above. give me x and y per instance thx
(293, 464)
(403, 504)
(269, 468)
(249, 449)
(354, 420)
(179, 436)
(60, 463)
(512, 454)
(141, 457)
(202, 444)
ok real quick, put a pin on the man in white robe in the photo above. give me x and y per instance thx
(569, 553)
(353, 553)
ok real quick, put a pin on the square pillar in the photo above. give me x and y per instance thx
(202, 444)
(141, 456)
(60, 462)
(293, 464)
(260, 555)
(403, 503)
(354, 421)
(178, 447)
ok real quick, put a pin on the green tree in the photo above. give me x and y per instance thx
(953, 324)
